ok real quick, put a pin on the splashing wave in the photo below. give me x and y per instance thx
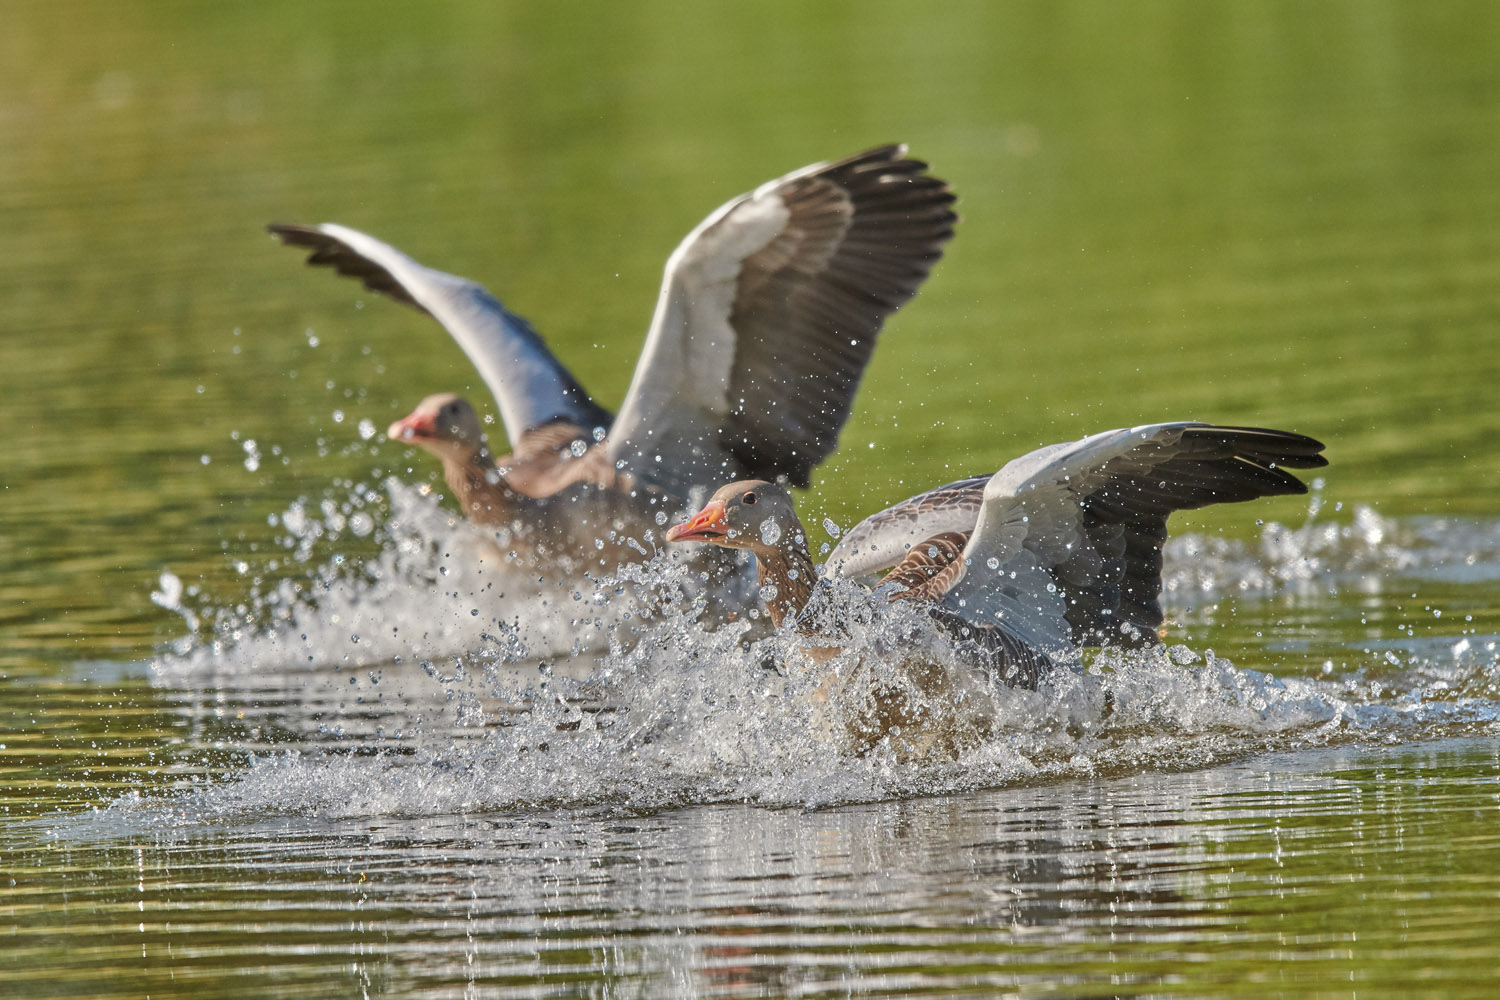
(399, 693)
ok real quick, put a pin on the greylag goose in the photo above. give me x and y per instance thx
(767, 317)
(498, 491)
(594, 521)
(1059, 549)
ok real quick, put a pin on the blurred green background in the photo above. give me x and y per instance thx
(1271, 213)
(1279, 213)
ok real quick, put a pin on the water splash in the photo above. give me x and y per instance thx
(436, 586)
(685, 718)
(169, 595)
(1364, 552)
(402, 693)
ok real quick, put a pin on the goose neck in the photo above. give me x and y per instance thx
(786, 576)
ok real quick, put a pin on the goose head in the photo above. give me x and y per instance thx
(443, 424)
(752, 514)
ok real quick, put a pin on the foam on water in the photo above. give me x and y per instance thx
(1368, 548)
(666, 714)
(684, 719)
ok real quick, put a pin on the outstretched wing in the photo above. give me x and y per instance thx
(531, 387)
(768, 315)
(1067, 548)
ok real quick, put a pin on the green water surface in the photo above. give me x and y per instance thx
(1283, 214)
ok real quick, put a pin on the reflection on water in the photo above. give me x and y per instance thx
(1118, 886)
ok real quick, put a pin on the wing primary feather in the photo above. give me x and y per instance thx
(1087, 522)
(769, 314)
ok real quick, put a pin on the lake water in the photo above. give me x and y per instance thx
(265, 731)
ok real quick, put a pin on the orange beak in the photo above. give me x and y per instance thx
(708, 525)
(414, 426)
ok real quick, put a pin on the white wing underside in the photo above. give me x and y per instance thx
(530, 386)
(1025, 521)
(767, 316)
(678, 396)
(1032, 521)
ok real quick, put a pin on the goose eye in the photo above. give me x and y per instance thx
(749, 498)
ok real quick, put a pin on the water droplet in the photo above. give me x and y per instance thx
(992, 562)
(832, 528)
(770, 531)
(366, 429)
(252, 455)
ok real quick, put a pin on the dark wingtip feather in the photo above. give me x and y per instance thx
(292, 234)
(1277, 447)
(329, 251)
(902, 220)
